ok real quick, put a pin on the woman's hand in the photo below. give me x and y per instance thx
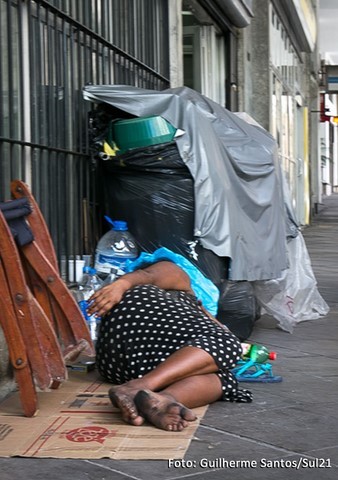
(102, 301)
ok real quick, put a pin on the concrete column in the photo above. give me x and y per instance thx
(315, 147)
(175, 43)
(253, 62)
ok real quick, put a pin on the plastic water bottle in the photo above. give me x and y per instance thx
(90, 281)
(115, 248)
(257, 353)
(89, 284)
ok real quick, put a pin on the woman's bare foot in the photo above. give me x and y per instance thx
(163, 411)
(122, 397)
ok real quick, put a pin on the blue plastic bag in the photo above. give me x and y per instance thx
(203, 288)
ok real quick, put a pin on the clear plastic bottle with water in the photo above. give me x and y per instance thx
(89, 284)
(115, 248)
(90, 281)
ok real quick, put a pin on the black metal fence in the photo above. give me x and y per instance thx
(49, 51)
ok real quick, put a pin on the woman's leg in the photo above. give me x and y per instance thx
(196, 391)
(183, 363)
(186, 377)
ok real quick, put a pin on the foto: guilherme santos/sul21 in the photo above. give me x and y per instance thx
(301, 462)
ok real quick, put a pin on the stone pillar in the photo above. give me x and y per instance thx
(253, 66)
(175, 43)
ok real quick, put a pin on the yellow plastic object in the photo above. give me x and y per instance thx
(109, 150)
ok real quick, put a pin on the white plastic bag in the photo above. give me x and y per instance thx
(294, 297)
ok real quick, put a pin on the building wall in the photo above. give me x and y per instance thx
(278, 87)
(210, 31)
(254, 68)
(175, 43)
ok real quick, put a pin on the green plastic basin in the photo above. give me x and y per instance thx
(141, 132)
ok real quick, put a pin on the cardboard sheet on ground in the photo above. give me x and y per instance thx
(78, 421)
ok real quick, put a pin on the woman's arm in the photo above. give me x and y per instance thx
(164, 275)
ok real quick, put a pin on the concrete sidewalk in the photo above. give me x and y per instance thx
(291, 428)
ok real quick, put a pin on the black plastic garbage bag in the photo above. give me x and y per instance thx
(238, 308)
(153, 190)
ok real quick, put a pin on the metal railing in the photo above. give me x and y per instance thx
(49, 51)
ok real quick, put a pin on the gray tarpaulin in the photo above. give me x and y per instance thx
(240, 207)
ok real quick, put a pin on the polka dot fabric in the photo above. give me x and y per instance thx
(149, 324)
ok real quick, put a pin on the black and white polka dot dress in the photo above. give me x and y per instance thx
(149, 324)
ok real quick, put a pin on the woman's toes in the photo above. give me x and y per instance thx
(123, 399)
